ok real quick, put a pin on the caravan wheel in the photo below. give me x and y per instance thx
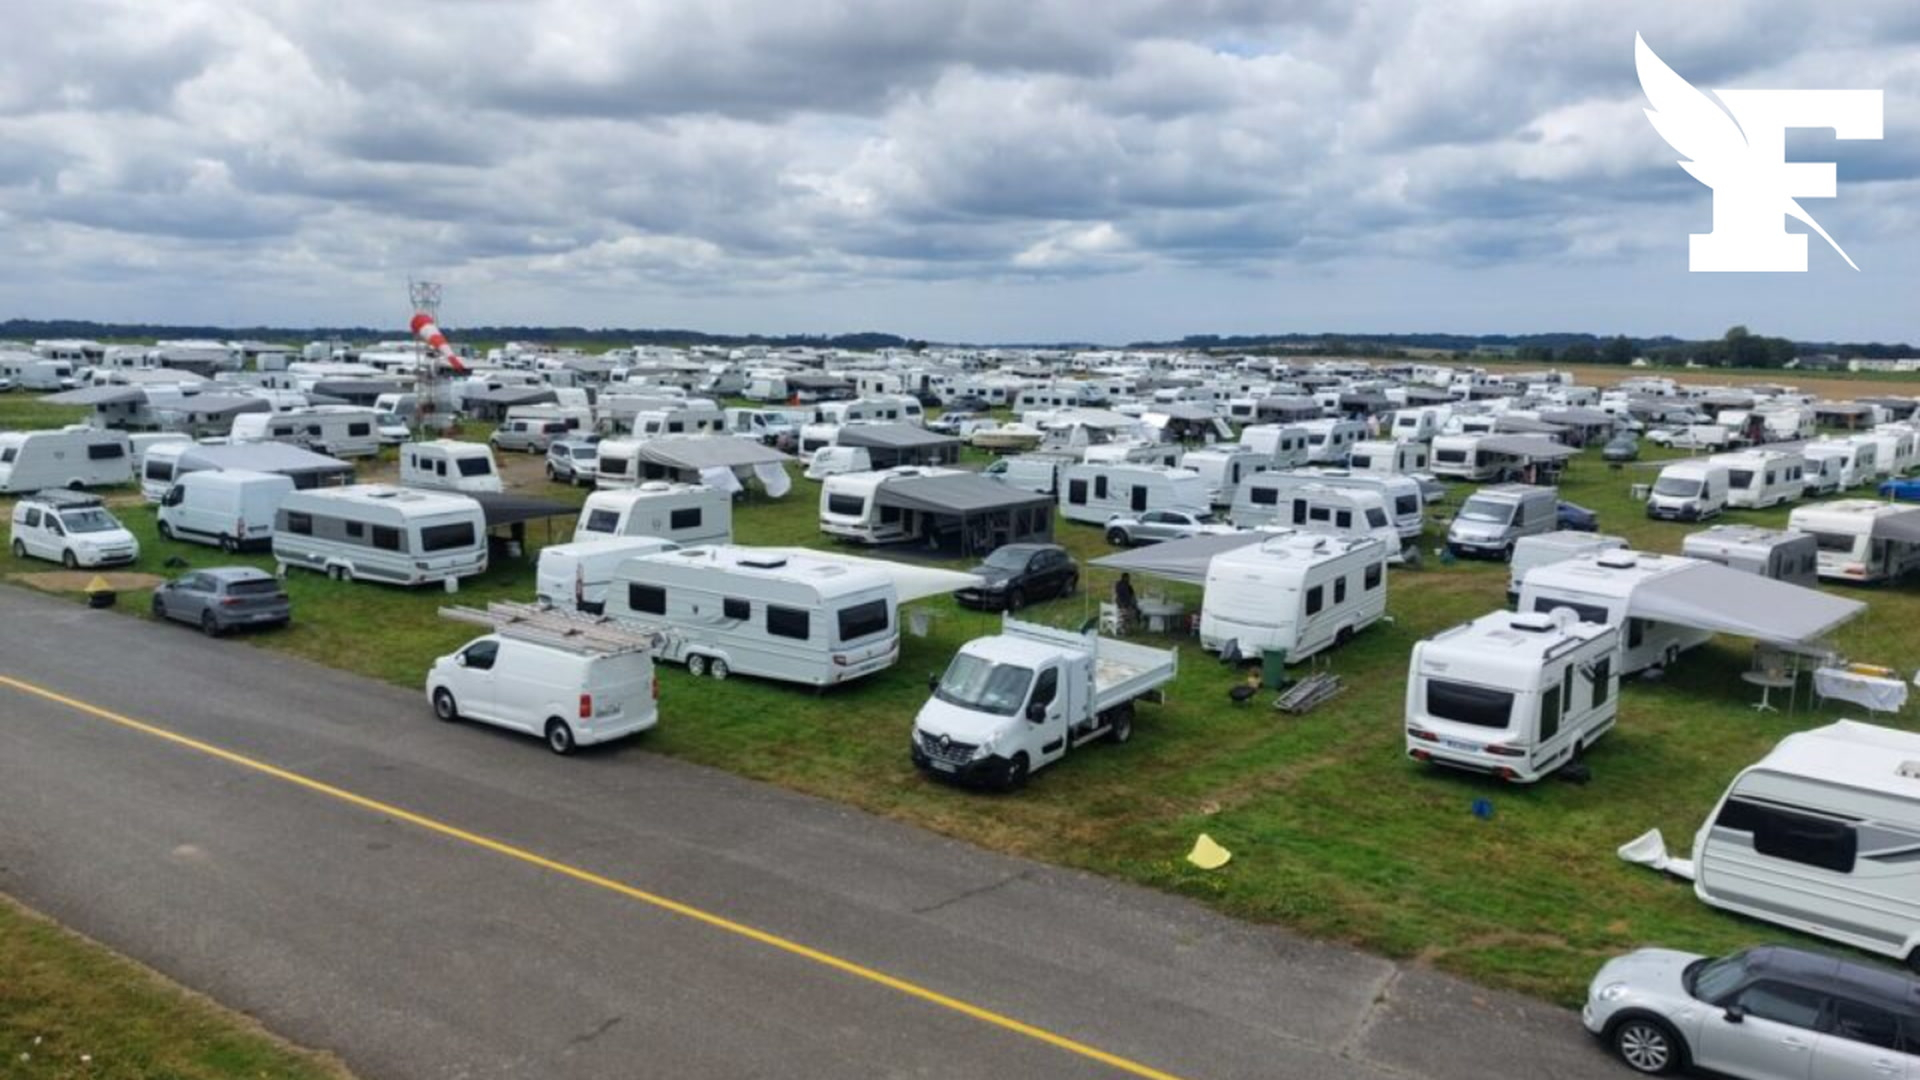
(228, 544)
(166, 531)
(719, 670)
(19, 550)
(696, 665)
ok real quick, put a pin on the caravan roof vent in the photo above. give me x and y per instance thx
(1618, 559)
(1908, 770)
(655, 485)
(1533, 622)
(764, 562)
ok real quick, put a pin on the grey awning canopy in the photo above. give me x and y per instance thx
(892, 436)
(1523, 425)
(1900, 528)
(270, 457)
(708, 452)
(1709, 596)
(213, 404)
(510, 395)
(97, 395)
(1578, 417)
(506, 508)
(1841, 408)
(964, 494)
(1525, 447)
(1180, 410)
(1178, 560)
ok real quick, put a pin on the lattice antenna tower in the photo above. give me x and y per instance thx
(429, 382)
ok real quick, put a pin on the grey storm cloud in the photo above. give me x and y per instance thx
(759, 147)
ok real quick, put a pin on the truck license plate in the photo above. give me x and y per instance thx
(943, 766)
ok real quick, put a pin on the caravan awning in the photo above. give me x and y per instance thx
(1578, 416)
(1709, 596)
(911, 580)
(1526, 447)
(1900, 528)
(892, 437)
(97, 395)
(273, 457)
(708, 452)
(505, 508)
(957, 493)
(1178, 560)
(1526, 425)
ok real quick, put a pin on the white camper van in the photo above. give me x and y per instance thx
(1286, 444)
(1297, 593)
(1543, 549)
(1599, 589)
(1223, 467)
(1493, 519)
(1460, 457)
(71, 457)
(379, 532)
(1874, 454)
(1329, 441)
(1781, 554)
(449, 465)
(1757, 479)
(71, 528)
(1516, 696)
(686, 514)
(1849, 551)
(1689, 491)
(1418, 425)
(574, 577)
(231, 508)
(1094, 493)
(773, 614)
(1819, 836)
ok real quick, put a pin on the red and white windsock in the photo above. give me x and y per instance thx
(425, 330)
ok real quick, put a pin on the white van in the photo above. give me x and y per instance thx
(1689, 491)
(1286, 444)
(1296, 593)
(773, 614)
(70, 528)
(574, 577)
(1757, 479)
(686, 514)
(1780, 554)
(1515, 696)
(1599, 589)
(449, 465)
(403, 536)
(1094, 493)
(591, 685)
(232, 508)
(1493, 519)
(1543, 549)
(71, 457)
(1849, 551)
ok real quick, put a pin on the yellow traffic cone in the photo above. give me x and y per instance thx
(1208, 855)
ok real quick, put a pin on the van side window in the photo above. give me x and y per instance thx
(1099, 487)
(1316, 599)
(481, 655)
(33, 518)
(788, 622)
(736, 609)
(1550, 711)
(651, 599)
(299, 524)
(1785, 834)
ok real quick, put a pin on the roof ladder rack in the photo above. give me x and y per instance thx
(596, 635)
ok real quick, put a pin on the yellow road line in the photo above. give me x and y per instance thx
(719, 922)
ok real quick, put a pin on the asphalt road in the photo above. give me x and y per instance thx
(485, 909)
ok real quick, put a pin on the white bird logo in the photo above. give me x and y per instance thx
(1702, 130)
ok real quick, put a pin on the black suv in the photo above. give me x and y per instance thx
(1017, 573)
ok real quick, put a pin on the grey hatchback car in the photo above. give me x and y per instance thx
(223, 598)
(1763, 1014)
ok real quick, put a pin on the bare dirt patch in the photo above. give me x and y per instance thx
(78, 580)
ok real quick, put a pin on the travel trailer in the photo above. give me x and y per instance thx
(1599, 588)
(1460, 457)
(1417, 425)
(1401, 495)
(1849, 550)
(618, 465)
(1689, 491)
(1094, 493)
(574, 577)
(30, 372)
(342, 431)
(850, 508)
(1286, 444)
(692, 418)
(1329, 441)
(1757, 479)
(686, 514)
(835, 460)
(1514, 696)
(1389, 458)
(1543, 549)
(1781, 554)
(1875, 452)
(378, 532)
(1858, 460)
(1223, 467)
(75, 457)
(1898, 447)
(1294, 593)
(230, 508)
(1493, 519)
(773, 614)
(1030, 472)
(450, 465)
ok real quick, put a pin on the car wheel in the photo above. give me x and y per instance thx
(1017, 773)
(209, 625)
(1117, 537)
(696, 665)
(1647, 1046)
(444, 706)
(19, 550)
(1067, 586)
(1016, 600)
(559, 736)
(67, 560)
(719, 670)
(166, 531)
(159, 607)
(229, 545)
(1121, 728)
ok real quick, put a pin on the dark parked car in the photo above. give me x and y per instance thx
(1017, 573)
(1622, 447)
(224, 598)
(969, 403)
(1578, 518)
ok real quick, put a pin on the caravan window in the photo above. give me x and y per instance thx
(386, 538)
(1376, 573)
(1841, 542)
(846, 505)
(1550, 711)
(359, 430)
(1376, 518)
(734, 608)
(602, 521)
(1820, 842)
(447, 537)
(648, 599)
(1340, 590)
(1742, 478)
(475, 466)
(1099, 487)
(1316, 599)
(156, 470)
(355, 530)
(788, 622)
(1406, 505)
(862, 620)
(1076, 491)
(1466, 704)
(684, 518)
(299, 524)
(1264, 496)
(105, 451)
(1602, 680)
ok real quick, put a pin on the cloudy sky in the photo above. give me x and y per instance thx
(995, 170)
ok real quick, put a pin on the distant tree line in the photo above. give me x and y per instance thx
(30, 329)
(1738, 347)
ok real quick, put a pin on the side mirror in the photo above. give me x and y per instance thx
(933, 683)
(1036, 713)
(1735, 1014)
(460, 659)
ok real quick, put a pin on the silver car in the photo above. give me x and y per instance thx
(1154, 526)
(223, 598)
(574, 460)
(1768, 1013)
(531, 436)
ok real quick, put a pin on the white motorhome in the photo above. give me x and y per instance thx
(1543, 549)
(1781, 554)
(449, 465)
(850, 506)
(1515, 696)
(75, 457)
(1329, 440)
(1286, 444)
(1855, 461)
(686, 514)
(1599, 589)
(772, 614)
(1389, 458)
(1223, 467)
(1689, 491)
(1094, 493)
(766, 426)
(379, 532)
(1296, 593)
(1460, 457)
(574, 577)
(1849, 551)
(231, 508)
(1757, 479)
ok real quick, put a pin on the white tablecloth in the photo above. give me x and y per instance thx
(1868, 691)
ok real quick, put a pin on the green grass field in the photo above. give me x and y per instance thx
(1333, 831)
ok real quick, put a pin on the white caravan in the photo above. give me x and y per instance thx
(1460, 457)
(1286, 444)
(1875, 452)
(1819, 836)
(1094, 493)
(1329, 441)
(71, 457)
(773, 614)
(1898, 447)
(1223, 467)
(618, 465)
(1689, 491)
(449, 465)
(850, 507)
(231, 508)
(1418, 425)
(1599, 589)
(574, 577)
(1515, 696)
(1029, 472)
(1757, 479)
(1294, 593)
(30, 372)
(379, 532)
(1543, 549)
(341, 431)
(1781, 554)
(1401, 495)
(1389, 458)
(686, 514)
(1856, 460)
(693, 418)
(1848, 549)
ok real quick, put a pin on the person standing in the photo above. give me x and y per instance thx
(1124, 599)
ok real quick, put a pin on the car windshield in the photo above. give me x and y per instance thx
(586, 453)
(1677, 487)
(982, 685)
(1713, 980)
(1009, 559)
(88, 521)
(1478, 509)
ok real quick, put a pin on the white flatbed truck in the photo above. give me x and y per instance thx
(1021, 699)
